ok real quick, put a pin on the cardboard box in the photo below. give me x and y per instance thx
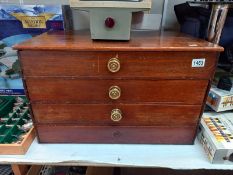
(216, 137)
(19, 23)
(220, 100)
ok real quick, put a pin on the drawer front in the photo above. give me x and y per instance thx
(132, 114)
(60, 90)
(132, 64)
(109, 134)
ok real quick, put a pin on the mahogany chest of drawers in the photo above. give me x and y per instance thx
(151, 89)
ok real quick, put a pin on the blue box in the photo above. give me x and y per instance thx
(19, 23)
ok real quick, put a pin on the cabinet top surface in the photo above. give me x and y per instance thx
(140, 41)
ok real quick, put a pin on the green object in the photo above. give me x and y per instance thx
(2, 45)
(13, 115)
(10, 72)
(16, 67)
(6, 105)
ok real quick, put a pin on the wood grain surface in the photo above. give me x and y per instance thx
(160, 65)
(116, 134)
(60, 90)
(132, 114)
(162, 96)
(140, 41)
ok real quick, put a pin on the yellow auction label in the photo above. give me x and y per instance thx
(33, 22)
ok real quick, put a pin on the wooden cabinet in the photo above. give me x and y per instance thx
(147, 90)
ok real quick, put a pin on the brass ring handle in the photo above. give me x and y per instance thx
(114, 65)
(116, 115)
(114, 92)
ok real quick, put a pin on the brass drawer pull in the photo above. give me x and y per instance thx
(116, 115)
(114, 92)
(114, 65)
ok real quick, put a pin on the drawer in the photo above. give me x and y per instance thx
(132, 64)
(130, 114)
(60, 90)
(116, 134)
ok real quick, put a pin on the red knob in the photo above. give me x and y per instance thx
(109, 22)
